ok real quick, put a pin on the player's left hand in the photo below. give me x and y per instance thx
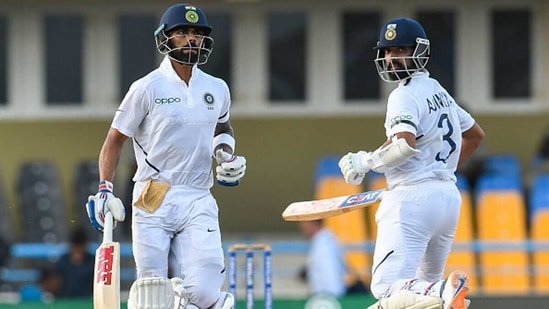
(354, 166)
(230, 168)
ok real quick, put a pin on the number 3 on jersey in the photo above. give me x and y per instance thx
(444, 123)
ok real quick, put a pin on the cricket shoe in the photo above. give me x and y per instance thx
(454, 291)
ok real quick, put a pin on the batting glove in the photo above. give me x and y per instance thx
(354, 167)
(102, 202)
(230, 168)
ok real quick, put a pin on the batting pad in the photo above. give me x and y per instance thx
(151, 293)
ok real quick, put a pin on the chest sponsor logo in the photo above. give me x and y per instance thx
(167, 100)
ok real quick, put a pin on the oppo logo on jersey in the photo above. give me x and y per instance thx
(104, 266)
(166, 100)
(401, 118)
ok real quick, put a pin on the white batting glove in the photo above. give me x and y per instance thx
(102, 202)
(230, 168)
(354, 166)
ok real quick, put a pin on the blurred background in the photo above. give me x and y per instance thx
(305, 91)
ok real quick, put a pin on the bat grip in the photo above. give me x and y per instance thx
(107, 229)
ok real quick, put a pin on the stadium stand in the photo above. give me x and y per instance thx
(349, 228)
(463, 256)
(501, 227)
(375, 181)
(43, 217)
(86, 181)
(539, 233)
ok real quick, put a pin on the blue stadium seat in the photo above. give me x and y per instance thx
(498, 182)
(539, 194)
(462, 183)
(502, 164)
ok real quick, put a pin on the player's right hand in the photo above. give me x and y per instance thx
(98, 205)
(354, 167)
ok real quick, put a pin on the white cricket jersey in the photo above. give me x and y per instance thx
(172, 124)
(423, 107)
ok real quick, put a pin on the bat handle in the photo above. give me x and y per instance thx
(107, 229)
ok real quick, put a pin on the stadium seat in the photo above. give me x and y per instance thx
(539, 233)
(501, 226)
(349, 228)
(375, 181)
(462, 256)
(502, 164)
(43, 211)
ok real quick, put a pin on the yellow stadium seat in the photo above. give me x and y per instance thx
(502, 230)
(377, 182)
(462, 256)
(540, 258)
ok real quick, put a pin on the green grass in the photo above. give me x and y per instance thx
(350, 302)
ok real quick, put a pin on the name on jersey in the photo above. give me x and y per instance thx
(438, 101)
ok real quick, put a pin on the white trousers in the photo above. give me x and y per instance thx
(415, 229)
(186, 229)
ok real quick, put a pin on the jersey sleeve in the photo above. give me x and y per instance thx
(132, 110)
(224, 113)
(466, 121)
(402, 113)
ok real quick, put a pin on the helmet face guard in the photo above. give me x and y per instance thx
(402, 32)
(396, 69)
(198, 48)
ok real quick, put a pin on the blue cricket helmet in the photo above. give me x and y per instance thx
(400, 32)
(183, 15)
(179, 16)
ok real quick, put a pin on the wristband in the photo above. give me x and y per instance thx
(105, 185)
(223, 138)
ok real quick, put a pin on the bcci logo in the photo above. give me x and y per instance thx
(191, 15)
(209, 100)
(390, 33)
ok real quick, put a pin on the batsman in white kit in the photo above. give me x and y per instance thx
(428, 136)
(178, 119)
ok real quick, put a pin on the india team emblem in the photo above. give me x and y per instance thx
(209, 100)
(390, 33)
(191, 15)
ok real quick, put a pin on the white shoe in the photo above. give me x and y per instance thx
(454, 291)
(180, 293)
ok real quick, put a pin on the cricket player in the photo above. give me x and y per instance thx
(178, 119)
(428, 136)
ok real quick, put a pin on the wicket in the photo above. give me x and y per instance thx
(249, 249)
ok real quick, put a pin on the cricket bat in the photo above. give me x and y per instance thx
(325, 208)
(106, 284)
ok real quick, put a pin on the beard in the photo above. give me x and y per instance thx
(398, 71)
(189, 58)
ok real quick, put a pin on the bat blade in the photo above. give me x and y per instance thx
(106, 284)
(325, 208)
